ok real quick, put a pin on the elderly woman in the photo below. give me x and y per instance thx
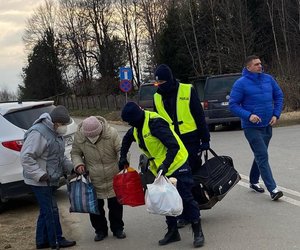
(96, 149)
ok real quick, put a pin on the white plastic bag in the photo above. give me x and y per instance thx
(163, 198)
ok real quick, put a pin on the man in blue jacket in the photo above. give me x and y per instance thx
(257, 99)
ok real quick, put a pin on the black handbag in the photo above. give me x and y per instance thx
(217, 175)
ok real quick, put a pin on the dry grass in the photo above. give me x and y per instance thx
(289, 118)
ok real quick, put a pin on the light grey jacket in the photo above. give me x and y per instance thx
(100, 159)
(43, 152)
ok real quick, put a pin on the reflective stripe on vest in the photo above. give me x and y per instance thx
(186, 122)
(156, 149)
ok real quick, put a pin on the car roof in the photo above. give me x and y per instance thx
(148, 83)
(9, 107)
(224, 75)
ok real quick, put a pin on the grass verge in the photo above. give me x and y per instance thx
(286, 118)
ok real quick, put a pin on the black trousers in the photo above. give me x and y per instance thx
(115, 216)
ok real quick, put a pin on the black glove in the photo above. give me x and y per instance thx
(204, 146)
(45, 177)
(163, 168)
(123, 163)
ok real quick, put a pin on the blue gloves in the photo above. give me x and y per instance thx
(204, 146)
(163, 168)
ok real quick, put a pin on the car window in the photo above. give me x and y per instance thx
(199, 86)
(216, 85)
(147, 92)
(25, 118)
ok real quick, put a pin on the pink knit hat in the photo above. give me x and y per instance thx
(91, 127)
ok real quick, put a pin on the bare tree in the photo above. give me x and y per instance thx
(282, 12)
(187, 20)
(44, 18)
(77, 43)
(270, 5)
(153, 14)
(213, 18)
(131, 33)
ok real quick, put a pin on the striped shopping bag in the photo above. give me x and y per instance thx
(82, 195)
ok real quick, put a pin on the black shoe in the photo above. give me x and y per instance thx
(42, 246)
(65, 243)
(100, 236)
(198, 234)
(181, 223)
(199, 240)
(257, 188)
(276, 194)
(120, 234)
(171, 236)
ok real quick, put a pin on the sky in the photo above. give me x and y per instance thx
(13, 16)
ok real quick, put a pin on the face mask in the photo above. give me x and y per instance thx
(62, 130)
(93, 139)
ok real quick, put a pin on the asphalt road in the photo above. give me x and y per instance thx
(242, 220)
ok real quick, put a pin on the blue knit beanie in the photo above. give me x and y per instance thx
(163, 72)
(132, 113)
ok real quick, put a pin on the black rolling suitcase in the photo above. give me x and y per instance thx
(204, 199)
(217, 175)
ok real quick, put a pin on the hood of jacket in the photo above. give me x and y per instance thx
(251, 75)
(45, 118)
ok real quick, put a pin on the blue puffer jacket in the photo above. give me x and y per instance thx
(256, 93)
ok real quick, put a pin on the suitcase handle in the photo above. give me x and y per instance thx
(206, 155)
(221, 160)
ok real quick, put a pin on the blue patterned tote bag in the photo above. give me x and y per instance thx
(82, 195)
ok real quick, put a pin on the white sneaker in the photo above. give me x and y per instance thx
(276, 194)
(257, 188)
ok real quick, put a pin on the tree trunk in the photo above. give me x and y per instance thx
(271, 9)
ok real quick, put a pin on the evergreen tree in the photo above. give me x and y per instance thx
(42, 77)
(172, 47)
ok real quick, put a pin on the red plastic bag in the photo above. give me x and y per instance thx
(128, 188)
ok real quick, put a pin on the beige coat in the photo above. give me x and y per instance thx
(100, 159)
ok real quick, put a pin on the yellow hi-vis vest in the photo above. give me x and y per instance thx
(186, 122)
(156, 150)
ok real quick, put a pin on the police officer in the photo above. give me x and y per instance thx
(160, 143)
(179, 104)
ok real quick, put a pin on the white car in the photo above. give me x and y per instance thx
(15, 119)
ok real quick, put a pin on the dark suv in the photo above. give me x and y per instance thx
(145, 95)
(214, 96)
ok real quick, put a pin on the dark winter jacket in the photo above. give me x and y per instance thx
(160, 129)
(256, 93)
(169, 92)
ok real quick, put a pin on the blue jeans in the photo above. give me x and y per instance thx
(185, 182)
(48, 226)
(259, 139)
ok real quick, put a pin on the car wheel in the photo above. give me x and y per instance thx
(1, 206)
(237, 125)
(212, 127)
